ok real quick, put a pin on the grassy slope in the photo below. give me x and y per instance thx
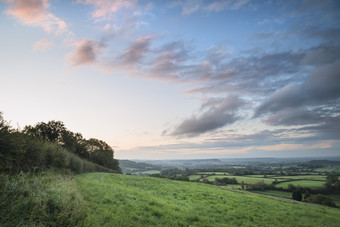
(45, 199)
(120, 200)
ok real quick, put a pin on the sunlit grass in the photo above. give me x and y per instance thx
(302, 183)
(121, 200)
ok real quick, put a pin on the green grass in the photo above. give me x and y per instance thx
(282, 194)
(303, 177)
(216, 173)
(260, 176)
(246, 180)
(329, 169)
(336, 199)
(122, 200)
(148, 172)
(194, 177)
(302, 183)
(46, 199)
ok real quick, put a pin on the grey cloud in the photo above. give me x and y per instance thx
(322, 54)
(135, 52)
(292, 116)
(263, 73)
(169, 61)
(322, 87)
(86, 52)
(216, 116)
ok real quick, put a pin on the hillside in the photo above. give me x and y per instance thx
(121, 200)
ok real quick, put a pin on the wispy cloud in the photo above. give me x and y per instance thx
(105, 9)
(42, 45)
(192, 6)
(35, 13)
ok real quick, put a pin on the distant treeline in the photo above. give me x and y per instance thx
(52, 146)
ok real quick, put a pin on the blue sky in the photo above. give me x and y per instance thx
(177, 79)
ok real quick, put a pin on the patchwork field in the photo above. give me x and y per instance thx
(246, 180)
(121, 200)
(302, 183)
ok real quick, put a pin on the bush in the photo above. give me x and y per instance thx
(296, 195)
(323, 200)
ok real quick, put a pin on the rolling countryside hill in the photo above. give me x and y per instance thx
(122, 200)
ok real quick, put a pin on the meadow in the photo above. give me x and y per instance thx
(310, 181)
(303, 183)
(124, 200)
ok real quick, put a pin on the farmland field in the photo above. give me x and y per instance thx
(121, 200)
(302, 183)
(329, 169)
(247, 180)
(303, 177)
(194, 177)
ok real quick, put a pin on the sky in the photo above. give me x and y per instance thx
(188, 79)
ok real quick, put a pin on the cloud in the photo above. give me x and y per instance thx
(42, 45)
(321, 86)
(218, 114)
(104, 9)
(34, 13)
(293, 117)
(192, 6)
(169, 61)
(86, 52)
(134, 54)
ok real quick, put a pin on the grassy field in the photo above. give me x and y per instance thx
(247, 180)
(194, 177)
(281, 194)
(148, 172)
(302, 177)
(302, 183)
(121, 200)
(329, 169)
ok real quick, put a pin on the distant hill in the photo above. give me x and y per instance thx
(128, 166)
(324, 162)
(185, 163)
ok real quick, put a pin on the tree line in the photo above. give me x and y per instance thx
(52, 145)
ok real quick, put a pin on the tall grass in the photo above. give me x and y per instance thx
(46, 199)
(79, 165)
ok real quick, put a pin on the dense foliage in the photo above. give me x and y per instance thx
(51, 146)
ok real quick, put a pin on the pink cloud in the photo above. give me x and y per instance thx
(34, 13)
(86, 52)
(42, 45)
(325, 146)
(105, 8)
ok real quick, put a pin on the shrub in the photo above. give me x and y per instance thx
(323, 200)
(296, 195)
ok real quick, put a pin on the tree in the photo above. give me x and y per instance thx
(331, 179)
(296, 195)
(93, 149)
(291, 187)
